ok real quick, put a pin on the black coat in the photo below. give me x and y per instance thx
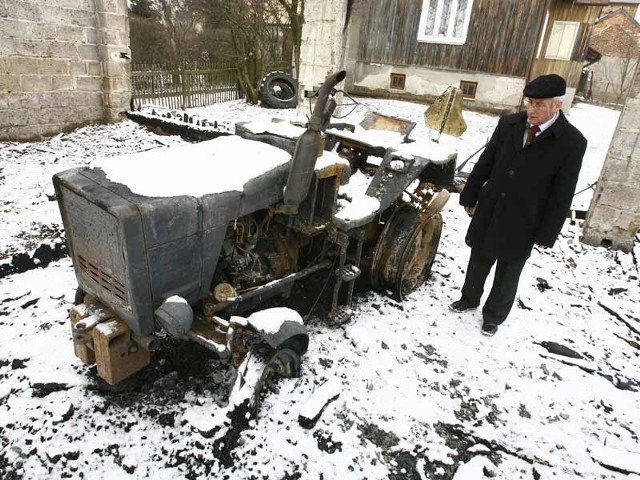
(522, 195)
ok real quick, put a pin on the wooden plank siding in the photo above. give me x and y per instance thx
(501, 38)
(563, 11)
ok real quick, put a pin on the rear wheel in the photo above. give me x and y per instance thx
(406, 250)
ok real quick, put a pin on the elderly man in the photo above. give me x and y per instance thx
(518, 194)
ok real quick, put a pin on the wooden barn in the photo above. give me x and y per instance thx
(489, 48)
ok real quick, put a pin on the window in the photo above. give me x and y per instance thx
(397, 81)
(468, 88)
(561, 40)
(444, 21)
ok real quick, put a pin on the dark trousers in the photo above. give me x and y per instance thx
(503, 291)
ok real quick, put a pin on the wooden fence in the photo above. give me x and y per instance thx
(183, 86)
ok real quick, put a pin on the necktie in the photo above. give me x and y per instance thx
(532, 133)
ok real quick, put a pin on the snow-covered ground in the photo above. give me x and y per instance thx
(422, 394)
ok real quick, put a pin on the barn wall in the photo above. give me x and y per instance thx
(497, 53)
(500, 39)
(570, 70)
(63, 63)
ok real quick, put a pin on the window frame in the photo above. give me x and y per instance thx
(399, 79)
(469, 85)
(449, 40)
(562, 23)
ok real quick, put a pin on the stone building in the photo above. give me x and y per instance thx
(613, 219)
(63, 64)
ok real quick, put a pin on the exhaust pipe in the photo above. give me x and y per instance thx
(309, 147)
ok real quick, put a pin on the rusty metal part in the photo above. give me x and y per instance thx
(235, 344)
(428, 201)
(223, 292)
(210, 336)
(148, 342)
(445, 114)
(405, 251)
(263, 291)
(82, 344)
(117, 355)
(100, 337)
(377, 121)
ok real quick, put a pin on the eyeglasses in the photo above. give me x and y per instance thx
(536, 104)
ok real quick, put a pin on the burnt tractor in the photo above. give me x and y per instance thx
(188, 262)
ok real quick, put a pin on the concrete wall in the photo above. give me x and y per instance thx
(63, 63)
(323, 45)
(607, 78)
(614, 214)
(495, 93)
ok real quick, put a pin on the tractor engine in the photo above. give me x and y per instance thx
(253, 253)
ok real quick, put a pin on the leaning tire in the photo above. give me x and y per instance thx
(406, 250)
(279, 90)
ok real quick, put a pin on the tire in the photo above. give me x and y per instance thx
(279, 90)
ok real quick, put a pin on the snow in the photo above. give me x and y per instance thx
(194, 170)
(176, 299)
(619, 459)
(372, 137)
(281, 128)
(474, 469)
(326, 392)
(599, 134)
(420, 388)
(270, 320)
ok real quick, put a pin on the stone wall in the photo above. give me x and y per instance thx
(322, 50)
(613, 219)
(63, 64)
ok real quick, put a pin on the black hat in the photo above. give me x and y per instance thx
(545, 86)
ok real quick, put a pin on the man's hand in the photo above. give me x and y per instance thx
(470, 210)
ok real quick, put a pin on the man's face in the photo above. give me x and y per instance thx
(539, 110)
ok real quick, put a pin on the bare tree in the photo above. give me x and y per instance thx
(182, 26)
(256, 33)
(621, 76)
(256, 36)
(295, 11)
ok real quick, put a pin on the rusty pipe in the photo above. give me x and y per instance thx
(309, 146)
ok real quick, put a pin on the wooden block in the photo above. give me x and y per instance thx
(117, 357)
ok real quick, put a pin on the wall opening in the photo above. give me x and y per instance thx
(397, 81)
(469, 89)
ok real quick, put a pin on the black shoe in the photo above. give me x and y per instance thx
(489, 329)
(461, 306)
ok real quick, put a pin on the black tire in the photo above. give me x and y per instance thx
(279, 90)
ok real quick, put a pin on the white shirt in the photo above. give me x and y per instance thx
(542, 126)
(548, 123)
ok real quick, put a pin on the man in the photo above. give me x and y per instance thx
(518, 195)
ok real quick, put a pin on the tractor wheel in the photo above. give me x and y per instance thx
(406, 250)
(279, 90)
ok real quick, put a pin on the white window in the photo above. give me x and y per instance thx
(561, 40)
(444, 21)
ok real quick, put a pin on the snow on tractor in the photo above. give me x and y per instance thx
(185, 249)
